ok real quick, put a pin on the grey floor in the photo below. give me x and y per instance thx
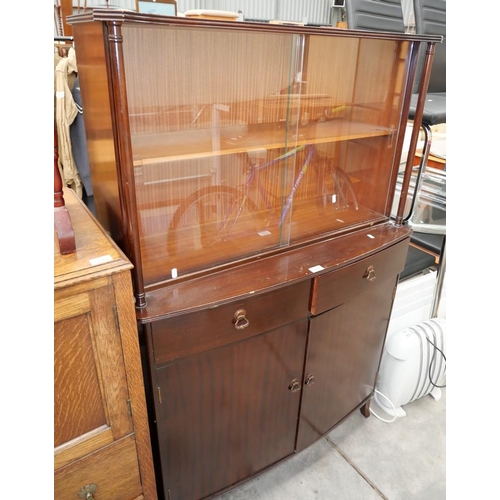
(364, 459)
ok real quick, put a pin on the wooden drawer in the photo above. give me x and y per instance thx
(114, 469)
(190, 333)
(332, 289)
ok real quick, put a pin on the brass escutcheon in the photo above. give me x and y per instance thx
(86, 493)
(370, 273)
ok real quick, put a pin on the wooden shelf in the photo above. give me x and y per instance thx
(185, 144)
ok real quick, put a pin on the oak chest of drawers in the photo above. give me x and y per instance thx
(101, 434)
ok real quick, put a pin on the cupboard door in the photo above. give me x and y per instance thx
(90, 384)
(227, 413)
(344, 349)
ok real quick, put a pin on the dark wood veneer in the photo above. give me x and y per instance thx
(343, 356)
(235, 401)
(269, 273)
(116, 15)
(333, 289)
(215, 326)
(255, 342)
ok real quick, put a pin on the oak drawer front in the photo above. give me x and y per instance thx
(114, 470)
(337, 287)
(190, 333)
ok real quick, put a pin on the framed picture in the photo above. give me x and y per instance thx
(158, 7)
(338, 3)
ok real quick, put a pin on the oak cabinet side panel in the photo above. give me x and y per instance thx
(78, 407)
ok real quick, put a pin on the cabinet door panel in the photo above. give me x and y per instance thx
(344, 349)
(72, 339)
(227, 413)
(90, 385)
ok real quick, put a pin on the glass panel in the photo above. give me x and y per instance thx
(245, 142)
(352, 100)
(204, 131)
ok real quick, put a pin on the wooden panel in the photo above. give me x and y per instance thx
(237, 55)
(92, 71)
(108, 350)
(344, 350)
(82, 445)
(319, 76)
(81, 287)
(432, 161)
(155, 148)
(66, 10)
(98, 385)
(78, 406)
(73, 305)
(332, 289)
(113, 469)
(188, 334)
(227, 413)
(90, 385)
(263, 275)
(133, 366)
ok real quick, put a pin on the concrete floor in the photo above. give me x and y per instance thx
(364, 459)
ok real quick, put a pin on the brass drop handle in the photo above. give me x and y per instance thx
(240, 321)
(87, 492)
(310, 379)
(294, 385)
(370, 273)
